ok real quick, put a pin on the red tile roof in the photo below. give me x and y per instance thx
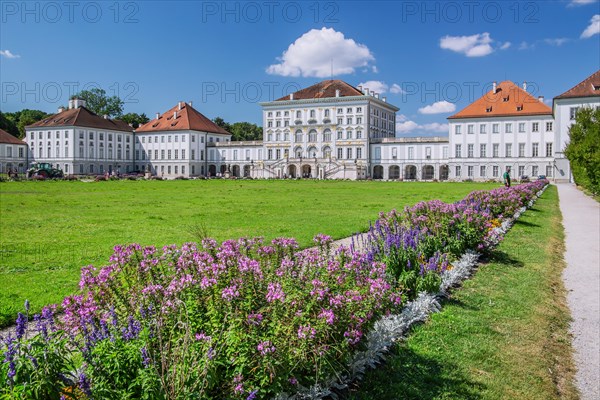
(82, 117)
(324, 89)
(508, 101)
(6, 137)
(587, 88)
(188, 118)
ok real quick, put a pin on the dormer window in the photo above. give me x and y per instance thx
(489, 109)
(520, 107)
(596, 87)
(505, 99)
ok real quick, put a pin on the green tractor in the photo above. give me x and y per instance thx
(44, 170)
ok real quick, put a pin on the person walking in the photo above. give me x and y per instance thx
(506, 177)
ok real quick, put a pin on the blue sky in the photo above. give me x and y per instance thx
(428, 58)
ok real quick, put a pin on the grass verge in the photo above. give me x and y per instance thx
(504, 335)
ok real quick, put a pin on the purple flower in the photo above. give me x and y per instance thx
(252, 395)
(275, 292)
(21, 325)
(27, 305)
(84, 384)
(202, 336)
(255, 319)
(265, 348)
(146, 360)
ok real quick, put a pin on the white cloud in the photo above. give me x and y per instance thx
(375, 86)
(556, 41)
(593, 28)
(477, 45)
(8, 54)
(438, 107)
(526, 46)
(574, 3)
(312, 53)
(505, 46)
(404, 125)
(396, 89)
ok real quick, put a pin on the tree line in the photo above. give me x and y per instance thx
(99, 103)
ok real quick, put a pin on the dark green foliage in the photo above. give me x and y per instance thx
(583, 150)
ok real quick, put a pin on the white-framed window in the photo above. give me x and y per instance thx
(508, 128)
(458, 151)
(548, 149)
(482, 129)
(573, 113)
(495, 171)
(411, 153)
(340, 153)
(470, 171)
(482, 150)
(359, 134)
(549, 171)
(428, 153)
(521, 170)
(508, 150)
(549, 126)
(458, 171)
(359, 152)
(445, 152)
(457, 129)
(534, 170)
(470, 129)
(521, 127)
(495, 128)
(535, 127)
(482, 171)
(521, 149)
(535, 150)
(470, 150)
(349, 153)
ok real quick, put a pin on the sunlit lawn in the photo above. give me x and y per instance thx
(50, 229)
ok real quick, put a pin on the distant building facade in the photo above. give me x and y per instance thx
(13, 154)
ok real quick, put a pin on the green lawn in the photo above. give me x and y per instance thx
(49, 230)
(504, 335)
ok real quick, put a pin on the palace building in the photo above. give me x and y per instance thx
(330, 130)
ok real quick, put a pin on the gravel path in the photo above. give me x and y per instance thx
(581, 219)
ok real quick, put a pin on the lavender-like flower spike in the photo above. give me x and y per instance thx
(21, 325)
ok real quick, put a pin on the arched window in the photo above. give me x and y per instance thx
(327, 135)
(312, 136)
(298, 137)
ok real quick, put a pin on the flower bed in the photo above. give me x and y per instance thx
(247, 319)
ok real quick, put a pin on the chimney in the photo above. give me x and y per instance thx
(105, 116)
(376, 95)
(541, 99)
(384, 99)
(366, 91)
(71, 104)
(180, 105)
(337, 92)
(157, 115)
(494, 87)
(61, 109)
(360, 89)
(190, 103)
(291, 96)
(524, 86)
(174, 114)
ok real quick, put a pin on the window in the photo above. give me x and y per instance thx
(340, 152)
(312, 113)
(521, 149)
(286, 113)
(277, 154)
(193, 154)
(458, 171)
(470, 171)
(521, 170)
(155, 139)
(411, 152)
(340, 120)
(359, 152)
(248, 154)
(91, 135)
(495, 171)
(298, 114)
(182, 139)
(269, 114)
(270, 154)
(349, 153)
(235, 155)
(327, 135)
(470, 129)
(482, 150)
(177, 154)
(428, 153)
(573, 113)
(521, 127)
(156, 154)
(548, 171)
(348, 134)
(339, 134)
(358, 110)
(482, 129)
(535, 150)
(445, 152)
(534, 170)
(312, 136)
(270, 124)
(495, 150)
(278, 114)
(21, 152)
(168, 154)
(349, 110)
(508, 150)
(270, 137)
(457, 130)
(359, 134)
(278, 137)
(548, 149)
(359, 120)
(482, 171)
(470, 150)
(298, 136)
(183, 154)
(278, 124)
(495, 128)
(535, 127)
(457, 151)
(162, 154)
(548, 126)
(176, 138)
(508, 128)
(326, 113)
(340, 111)
(349, 120)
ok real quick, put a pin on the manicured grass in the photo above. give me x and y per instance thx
(504, 335)
(49, 230)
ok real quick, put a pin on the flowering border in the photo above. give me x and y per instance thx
(393, 328)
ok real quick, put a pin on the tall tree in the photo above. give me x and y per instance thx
(583, 150)
(8, 125)
(20, 119)
(240, 130)
(98, 102)
(220, 122)
(135, 119)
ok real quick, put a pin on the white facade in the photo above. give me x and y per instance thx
(565, 110)
(482, 149)
(13, 158)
